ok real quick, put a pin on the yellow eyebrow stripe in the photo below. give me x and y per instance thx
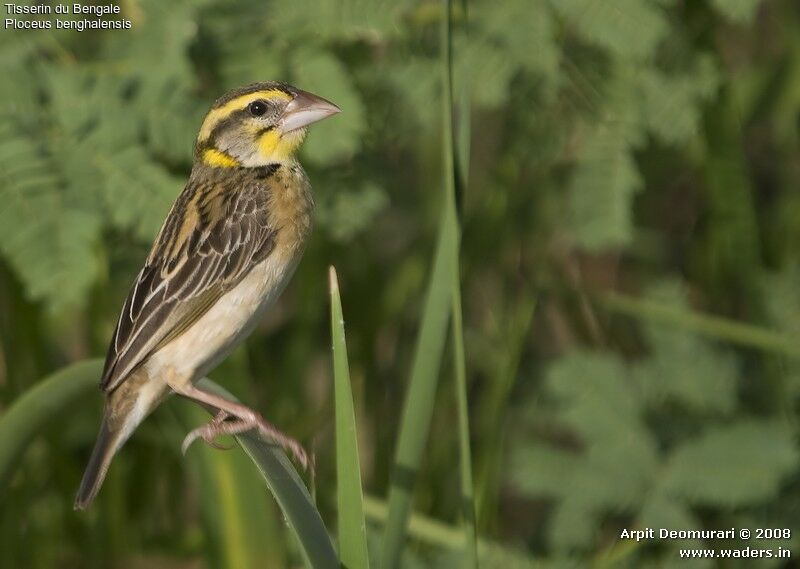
(221, 113)
(217, 159)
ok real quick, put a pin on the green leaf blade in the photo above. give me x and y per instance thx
(443, 301)
(419, 403)
(290, 493)
(44, 401)
(58, 392)
(458, 146)
(352, 523)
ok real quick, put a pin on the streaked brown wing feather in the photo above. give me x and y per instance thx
(209, 242)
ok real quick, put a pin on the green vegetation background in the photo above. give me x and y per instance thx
(635, 168)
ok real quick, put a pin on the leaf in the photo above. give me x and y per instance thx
(491, 71)
(339, 137)
(602, 190)
(87, 107)
(615, 476)
(420, 397)
(41, 404)
(596, 395)
(683, 368)
(672, 104)
(540, 470)
(740, 11)
(627, 28)
(47, 232)
(599, 401)
(732, 254)
(350, 501)
(660, 511)
(137, 191)
(457, 145)
(155, 55)
(780, 292)
(435, 533)
(18, 99)
(57, 393)
(573, 526)
(706, 325)
(346, 213)
(245, 53)
(531, 46)
(437, 311)
(156, 49)
(172, 125)
(290, 493)
(241, 521)
(605, 178)
(740, 464)
(417, 79)
(342, 20)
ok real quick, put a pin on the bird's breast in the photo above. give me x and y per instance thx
(225, 325)
(291, 208)
(214, 335)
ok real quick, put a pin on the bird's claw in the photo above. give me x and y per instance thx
(208, 433)
(226, 424)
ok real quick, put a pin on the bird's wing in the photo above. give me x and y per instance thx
(211, 239)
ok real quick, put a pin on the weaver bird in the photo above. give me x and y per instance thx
(228, 247)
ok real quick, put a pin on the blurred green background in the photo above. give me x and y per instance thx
(630, 270)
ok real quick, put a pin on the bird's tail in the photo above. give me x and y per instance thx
(126, 408)
(109, 440)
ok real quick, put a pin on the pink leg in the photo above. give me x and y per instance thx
(246, 419)
(206, 433)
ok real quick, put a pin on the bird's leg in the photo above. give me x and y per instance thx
(246, 420)
(207, 433)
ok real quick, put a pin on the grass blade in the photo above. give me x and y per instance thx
(465, 453)
(242, 524)
(494, 403)
(290, 493)
(443, 300)
(32, 411)
(434, 533)
(58, 392)
(456, 181)
(715, 327)
(352, 525)
(418, 408)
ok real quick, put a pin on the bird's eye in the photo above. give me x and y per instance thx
(257, 108)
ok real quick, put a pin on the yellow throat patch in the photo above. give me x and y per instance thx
(218, 159)
(278, 146)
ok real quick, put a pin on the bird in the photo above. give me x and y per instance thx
(225, 252)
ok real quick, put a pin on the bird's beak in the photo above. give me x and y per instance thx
(304, 110)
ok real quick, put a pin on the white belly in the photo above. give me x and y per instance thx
(209, 340)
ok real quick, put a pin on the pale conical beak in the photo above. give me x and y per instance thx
(304, 110)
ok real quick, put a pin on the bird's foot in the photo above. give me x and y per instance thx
(270, 432)
(227, 424)
(208, 433)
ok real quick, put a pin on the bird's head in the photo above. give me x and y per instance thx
(258, 125)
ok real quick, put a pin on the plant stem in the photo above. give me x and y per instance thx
(715, 327)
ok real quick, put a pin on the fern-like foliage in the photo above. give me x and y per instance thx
(49, 228)
(645, 146)
(120, 124)
(624, 461)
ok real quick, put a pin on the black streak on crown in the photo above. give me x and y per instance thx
(252, 88)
